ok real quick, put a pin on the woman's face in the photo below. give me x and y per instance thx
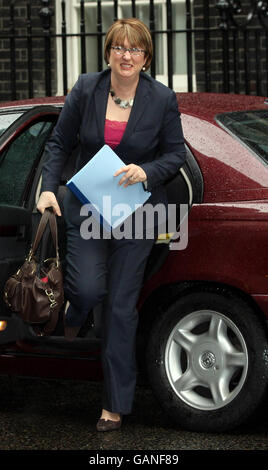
(126, 66)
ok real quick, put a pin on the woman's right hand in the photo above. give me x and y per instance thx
(48, 199)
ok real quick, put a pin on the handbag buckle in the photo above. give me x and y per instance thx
(30, 254)
(6, 299)
(53, 259)
(51, 297)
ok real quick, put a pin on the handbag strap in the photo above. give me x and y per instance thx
(47, 216)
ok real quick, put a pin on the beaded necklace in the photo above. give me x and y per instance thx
(121, 103)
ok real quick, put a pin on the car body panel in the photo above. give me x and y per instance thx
(25, 361)
(221, 249)
(235, 206)
(226, 160)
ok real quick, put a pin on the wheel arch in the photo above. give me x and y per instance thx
(160, 299)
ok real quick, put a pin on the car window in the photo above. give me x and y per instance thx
(6, 120)
(17, 161)
(249, 126)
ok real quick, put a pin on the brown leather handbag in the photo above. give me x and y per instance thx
(35, 292)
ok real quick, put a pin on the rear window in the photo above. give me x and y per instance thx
(6, 120)
(251, 127)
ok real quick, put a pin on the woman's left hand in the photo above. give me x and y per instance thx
(133, 174)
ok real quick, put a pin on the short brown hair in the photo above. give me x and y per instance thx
(137, 34)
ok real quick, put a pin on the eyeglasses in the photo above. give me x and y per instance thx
(120, 50)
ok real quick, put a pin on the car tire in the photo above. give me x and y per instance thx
(207, 360)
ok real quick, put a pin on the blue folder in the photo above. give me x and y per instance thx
(95, 184)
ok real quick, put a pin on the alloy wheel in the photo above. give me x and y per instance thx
(206, 360)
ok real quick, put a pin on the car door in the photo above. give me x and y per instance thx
(21, 152)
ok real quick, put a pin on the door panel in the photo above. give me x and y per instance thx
(22, 146)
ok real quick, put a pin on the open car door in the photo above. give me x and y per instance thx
(21, 151)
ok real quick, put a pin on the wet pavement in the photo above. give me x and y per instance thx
(38, 414)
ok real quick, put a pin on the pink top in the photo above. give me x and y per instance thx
(113, 132)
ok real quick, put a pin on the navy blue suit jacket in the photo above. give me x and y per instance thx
(153, 138)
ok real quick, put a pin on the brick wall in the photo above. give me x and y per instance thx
(22, 53)
(256, 56)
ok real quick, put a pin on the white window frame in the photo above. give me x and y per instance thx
(73, 63)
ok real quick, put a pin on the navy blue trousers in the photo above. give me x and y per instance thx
(109, 271)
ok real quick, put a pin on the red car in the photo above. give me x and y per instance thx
(202, 337)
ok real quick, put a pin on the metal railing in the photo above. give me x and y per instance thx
(237, 33)
(251, 26)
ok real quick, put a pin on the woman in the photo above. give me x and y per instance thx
(138, 117)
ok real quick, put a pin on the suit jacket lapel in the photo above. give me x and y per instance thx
(100, 97)
(139, 106)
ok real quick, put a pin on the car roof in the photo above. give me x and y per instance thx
(23, 105)
(203, 105)
(208, 105)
